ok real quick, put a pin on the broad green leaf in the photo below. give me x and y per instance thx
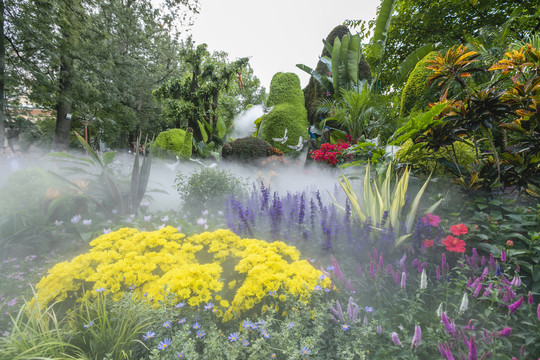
(221, 128)
(353, 58)
(203, 131)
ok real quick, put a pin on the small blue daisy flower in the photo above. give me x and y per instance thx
(290, 325)
(306, 351)
(345, 327)
(369, 309)
(196, 326)
(149, 335)
(167, 324)
(245, 343)
(200, 334)
(182, 320)
(233, 337)
(164, 344)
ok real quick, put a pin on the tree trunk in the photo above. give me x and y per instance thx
(63, 106)
(2, 75)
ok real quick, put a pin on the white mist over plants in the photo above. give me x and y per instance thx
(244, 123)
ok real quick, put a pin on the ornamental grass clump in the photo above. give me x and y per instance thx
(235, 275)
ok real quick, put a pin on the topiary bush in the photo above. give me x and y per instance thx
(288, 112)
(207, 189)
(175, 141)
(416, 94)
(234, 275)
(247, 149)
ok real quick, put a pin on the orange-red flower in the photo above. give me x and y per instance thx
(459, 229)
(454, 244)
(509, 243)
(428, 243)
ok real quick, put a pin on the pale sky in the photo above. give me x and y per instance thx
(276, 34)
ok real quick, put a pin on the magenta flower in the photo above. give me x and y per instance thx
(506, 332)
(513, 307)
(445, 351)
(371, 270)
(395, 339)
(530, 298)
(473, 353)
(503, 255)
(448, 325)
(432, 220)
(538, 311)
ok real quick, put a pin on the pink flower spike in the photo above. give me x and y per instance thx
(513, 307)
(417, 336)
(503, 255)
(506, 332)
(395, 339)
(530, 299)
(538, 311)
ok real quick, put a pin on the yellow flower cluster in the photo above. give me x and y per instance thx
(217, 266)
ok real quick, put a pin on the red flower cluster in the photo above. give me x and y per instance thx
(331, 153)
(455, 244)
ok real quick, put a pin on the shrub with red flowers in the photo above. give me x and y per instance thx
(332, 154)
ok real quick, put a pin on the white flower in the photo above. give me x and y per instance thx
(145, 204)
(58, 222)
(107, 231)
(87, 222)
(165, 219)
(464, 303)
(161, 226)
(148, 218)
(76, 219)
(423, 280)
(201, 221)
(114, 211)
(439, 310)
(179, 228)
(205, 226)
(205, 213)
(220, 213)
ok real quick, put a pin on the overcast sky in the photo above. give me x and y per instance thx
(276, 34)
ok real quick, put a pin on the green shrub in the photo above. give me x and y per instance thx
(207, 189)
(175, 141)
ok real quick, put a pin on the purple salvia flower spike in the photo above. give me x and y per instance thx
(379, 329)
(371, 270)
(492, 261)
(483, 261)
(474, 257)
(505, 332)
(530, 299)
(360, 272)
(395, 339)
(417, 336)
(438, 272)
(538, 311)
(403, 280)
(503, 255)
(381, 262)
(478, 289)
(443, 262)
(402, 260)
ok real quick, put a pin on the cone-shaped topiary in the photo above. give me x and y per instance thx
(288, 113)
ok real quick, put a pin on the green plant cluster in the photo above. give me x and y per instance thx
(288, 113)
(177, 142)
(207, 189)
(426, 161)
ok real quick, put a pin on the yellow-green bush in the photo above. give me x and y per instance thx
(234, 274)
(176, 141)
(416, 94)
(425, 159)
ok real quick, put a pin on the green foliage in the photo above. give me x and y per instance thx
(380, 196)
(427, 161)
(288, 113)
(175, 141)
(207, 189)
(105, 190)
(416, 94)
(37, 334)
(112, 330)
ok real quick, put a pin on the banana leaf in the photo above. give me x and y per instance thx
(335, 65)
(203, 131)
(382, 25)
(411, 60)
(221, 128)
(353, 58)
